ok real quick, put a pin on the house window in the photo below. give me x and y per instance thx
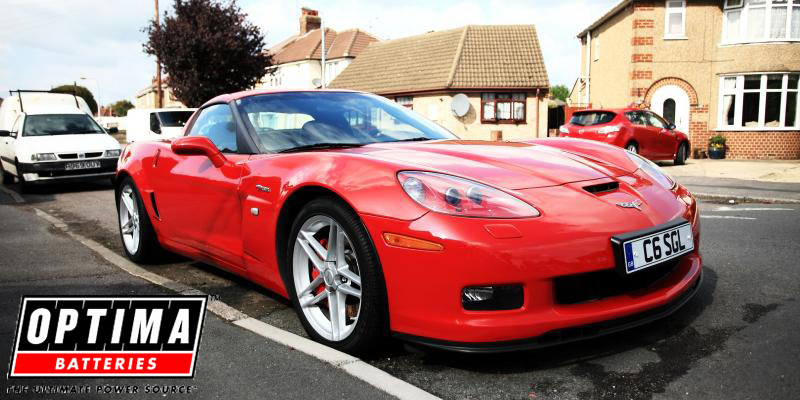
(759, 101)
(405, 101)
(749, 21)
(503, 107)
(675, 20)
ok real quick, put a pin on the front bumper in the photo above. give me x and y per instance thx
(57, 171)
(570, 239)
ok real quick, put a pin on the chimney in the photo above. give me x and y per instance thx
(309, 20)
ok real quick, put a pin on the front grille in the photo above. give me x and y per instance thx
(602, 187)
(597, 285)
(74, 156)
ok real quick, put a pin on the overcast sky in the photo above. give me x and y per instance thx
(44, 43)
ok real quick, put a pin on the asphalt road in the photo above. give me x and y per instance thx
(737, 339)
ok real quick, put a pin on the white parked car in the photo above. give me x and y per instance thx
(49, 140)
(156, 123)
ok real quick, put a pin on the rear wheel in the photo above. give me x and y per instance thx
(682, 154)
(135, 229)
(335, 279)
(632, 147)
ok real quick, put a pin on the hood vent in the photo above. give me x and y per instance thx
(602, 187)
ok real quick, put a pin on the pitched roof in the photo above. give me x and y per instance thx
(475, 56)
(347, 43)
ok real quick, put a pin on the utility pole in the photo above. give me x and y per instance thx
(159, 95)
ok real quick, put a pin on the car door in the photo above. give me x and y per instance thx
(641, 130)
(199, 203)
(8, 146)
(663, 138)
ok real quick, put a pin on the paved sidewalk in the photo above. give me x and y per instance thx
(770, 181)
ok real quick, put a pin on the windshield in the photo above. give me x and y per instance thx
(59, 124)
(284, 121)
(174, 118)
(592, 118)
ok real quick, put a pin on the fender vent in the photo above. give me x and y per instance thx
(153, 202)
(602, 187)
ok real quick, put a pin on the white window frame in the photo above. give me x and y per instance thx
(669, 11)
(739, 102)
(744, 7)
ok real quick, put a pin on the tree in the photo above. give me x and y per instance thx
(208, 48)
(81, 92)
(560, 92)
(120, 108)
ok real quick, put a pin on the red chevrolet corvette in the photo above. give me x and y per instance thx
(373, 220)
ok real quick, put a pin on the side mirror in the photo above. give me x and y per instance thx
(671, 127)
(198, 145)
(113, 130)
(155, 126)
(4, 133)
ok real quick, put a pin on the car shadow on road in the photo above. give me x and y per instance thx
(44, 193)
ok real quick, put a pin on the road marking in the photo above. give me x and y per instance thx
(14, 195)
(726, 217)
(347, 363)
(753, 209)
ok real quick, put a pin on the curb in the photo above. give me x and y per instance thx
(744, 199)
(351, 365)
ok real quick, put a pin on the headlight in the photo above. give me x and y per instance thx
(457, 196)
(608, 129)
(652, 170)
(563, 129)
(43, 157)
(112, 153)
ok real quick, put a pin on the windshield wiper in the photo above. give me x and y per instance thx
(413, 139)
(317, 146)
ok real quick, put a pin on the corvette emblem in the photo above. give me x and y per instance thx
(637, 204)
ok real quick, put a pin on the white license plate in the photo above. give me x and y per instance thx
(658, 247)
(82, 165)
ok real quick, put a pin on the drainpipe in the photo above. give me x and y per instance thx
(588, 66)
(538, 108)
(322, 31)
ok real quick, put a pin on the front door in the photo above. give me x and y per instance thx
(198, 202)
(672, 103)
(8, 146)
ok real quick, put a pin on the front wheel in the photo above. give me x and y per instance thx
(682, 154)
(335, 278)
(135, 229)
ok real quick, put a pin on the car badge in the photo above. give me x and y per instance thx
(637, 204)
(81, 155)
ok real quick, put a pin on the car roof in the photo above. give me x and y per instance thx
(225, 98)
(614, 110)
(54, 110)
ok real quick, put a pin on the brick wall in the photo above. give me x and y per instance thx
(762, 145)
(642, 41)
(642, 58)
(643, 23)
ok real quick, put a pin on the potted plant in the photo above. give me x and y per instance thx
(716, 147)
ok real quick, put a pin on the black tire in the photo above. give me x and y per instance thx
(148, 249)
(682, 155)
(8, 178)
(632, 147)
(372, 325)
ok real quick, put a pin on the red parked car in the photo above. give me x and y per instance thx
(373, 220)
(639, 131)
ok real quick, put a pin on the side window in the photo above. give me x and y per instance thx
(635, 117)
(155, 125)
(655, 120)
(217, 124)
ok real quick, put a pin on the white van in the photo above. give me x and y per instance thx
(46, 137)
(156, 123)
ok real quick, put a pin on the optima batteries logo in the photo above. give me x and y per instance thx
(108, 336)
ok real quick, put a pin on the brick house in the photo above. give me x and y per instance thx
(499, 68)
(727, 67)
(298, 59)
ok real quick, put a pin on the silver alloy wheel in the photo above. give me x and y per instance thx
(631, 148)
(129, 219)
(326, 277)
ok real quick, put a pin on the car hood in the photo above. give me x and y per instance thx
(66, 143)
(509, 165)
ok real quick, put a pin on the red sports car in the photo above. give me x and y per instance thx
(373, 220)
(636, 130)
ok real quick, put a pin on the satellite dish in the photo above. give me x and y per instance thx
(460, 105)
(316, 82)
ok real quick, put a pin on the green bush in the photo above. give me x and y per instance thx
(717, 141)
